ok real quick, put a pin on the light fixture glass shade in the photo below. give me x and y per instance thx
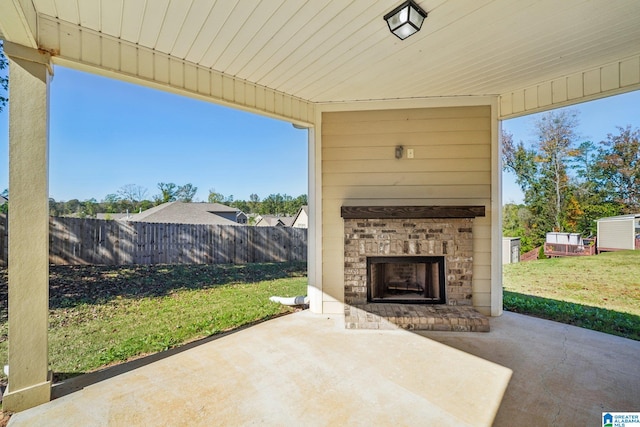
(406, 19)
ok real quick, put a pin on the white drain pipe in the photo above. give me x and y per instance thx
(299, 300)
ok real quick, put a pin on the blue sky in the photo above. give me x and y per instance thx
(105, 134)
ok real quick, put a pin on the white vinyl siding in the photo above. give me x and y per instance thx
(616, 234)
(451, 166)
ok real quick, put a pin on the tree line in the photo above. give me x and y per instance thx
(567, 183)
(273, 204)
(133, 199)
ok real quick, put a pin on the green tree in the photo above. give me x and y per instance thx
(186, 193)
(517, 222)
(145, 204)
(620, 167)
(167, 193)
(254, 203)
(522, 162)
(89, 208)
(542, 172)
(519, 160)
(111, 203)
(243, 205)
(170, 192)
(591, 198)
(4, 79)
(72, 207)
(281, 204)
(55, 208)
(556, 136)
(215, 197)
(4, 208)
(273, 204)
(299, 202)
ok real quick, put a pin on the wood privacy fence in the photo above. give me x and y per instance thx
(103, 242)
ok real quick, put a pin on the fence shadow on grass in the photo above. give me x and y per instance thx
(595, 318)
(73, 285)
(70, 286)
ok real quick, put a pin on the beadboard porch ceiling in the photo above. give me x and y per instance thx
(340, 51)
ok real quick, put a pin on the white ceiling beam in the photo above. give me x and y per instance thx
(606, 80)
(88, 50)
(19, 22)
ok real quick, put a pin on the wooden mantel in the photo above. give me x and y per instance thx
(387, 212)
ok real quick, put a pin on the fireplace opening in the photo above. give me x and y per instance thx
(406, 280)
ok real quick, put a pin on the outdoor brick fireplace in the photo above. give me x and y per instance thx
(410, 267)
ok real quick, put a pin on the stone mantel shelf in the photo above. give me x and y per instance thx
(391, 212)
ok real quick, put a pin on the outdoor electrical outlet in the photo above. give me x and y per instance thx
(409, 153)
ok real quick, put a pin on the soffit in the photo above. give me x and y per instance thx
(341, 51)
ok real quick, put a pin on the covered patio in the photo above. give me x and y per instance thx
(307, 369)
(411, 125)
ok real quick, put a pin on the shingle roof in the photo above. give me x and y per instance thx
(269, 220)
(186, 213)
(123, 216)
(274, 221)
(287, 220)
(304, 209)
(620, 217)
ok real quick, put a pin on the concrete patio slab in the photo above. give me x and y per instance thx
(306, 369)
(301, 369)
(562, 375)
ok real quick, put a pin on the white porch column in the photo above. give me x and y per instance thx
(29, 382)
(496, 211)
(314, 246)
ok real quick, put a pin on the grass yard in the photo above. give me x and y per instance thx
(598, 292)
(101, 315)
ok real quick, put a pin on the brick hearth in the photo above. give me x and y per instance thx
(415, 317)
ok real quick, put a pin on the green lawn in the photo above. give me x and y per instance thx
(102, 315)
(598, 292)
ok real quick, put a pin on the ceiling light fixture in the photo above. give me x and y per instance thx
(406, 19)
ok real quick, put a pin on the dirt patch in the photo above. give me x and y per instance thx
(4, 418)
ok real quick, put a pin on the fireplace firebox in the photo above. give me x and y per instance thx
(406, 280)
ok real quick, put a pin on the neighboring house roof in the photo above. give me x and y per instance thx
(274, 221)
(241, 217)
(3, 200)
(186, 213)
(123, 216)
(301, 219)
(287, 221)
(620, 217)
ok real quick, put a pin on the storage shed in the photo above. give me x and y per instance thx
(510, 250)
(617, 233)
